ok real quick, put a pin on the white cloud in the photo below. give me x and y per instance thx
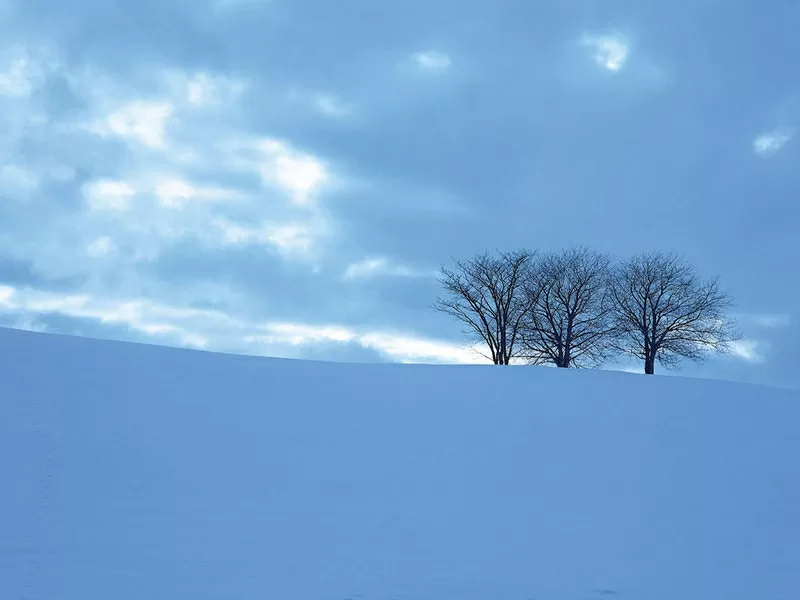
(298, 173)
(296, 334)
(770, 143)
(138, 315)
(292, 238)
(415, 350)
(7, 295)
(215, 330)
(107, 194)
(289, 238)
(401, 348)
(171, 192)
(139, 120)
(165, 202)
(380, 267)
(176, 192)
(748, 350)
(162, 190)
(609, 51)
(432, 61)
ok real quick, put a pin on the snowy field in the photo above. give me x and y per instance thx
(133, 472)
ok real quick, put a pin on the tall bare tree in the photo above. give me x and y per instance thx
(486, 294)
(664, 312)
(570, 319)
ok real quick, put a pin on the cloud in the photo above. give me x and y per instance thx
(107, 194)
(380, 267)
(176, 192)
(770, 143)
(400, 348)
(138, 315)
(278, 164)
(414, 350)
(293, 239)
(298, 334)
(749, 350)
(216, 330)
(432, 61)
(139, 120)
(187, 173)
(296, 172)
(611, 52)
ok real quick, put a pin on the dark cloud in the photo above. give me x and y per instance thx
(22, 273)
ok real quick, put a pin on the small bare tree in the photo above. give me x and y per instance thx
(486, 294)
(570, 320)
(663, 312)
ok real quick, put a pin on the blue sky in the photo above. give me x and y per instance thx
(285, 177)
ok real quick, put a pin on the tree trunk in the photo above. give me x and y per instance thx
(649, 365)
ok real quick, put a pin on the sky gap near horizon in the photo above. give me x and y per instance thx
(285, 178)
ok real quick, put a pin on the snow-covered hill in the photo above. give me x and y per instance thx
(132, 472)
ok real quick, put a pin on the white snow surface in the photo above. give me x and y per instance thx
(134, 472)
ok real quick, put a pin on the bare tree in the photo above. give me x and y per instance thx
(570, 320)
(486, 294)
(665, 313)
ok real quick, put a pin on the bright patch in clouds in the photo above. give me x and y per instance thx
(294, 239)
(770, 143)
(414, 350)
(432, 61)
(403, 349)
(298, 334)
(177, 193)
(379, 267)
(298, 173)
(609, 51)
(141, 121)
(214, 329)
(106, 194)
(748, 350)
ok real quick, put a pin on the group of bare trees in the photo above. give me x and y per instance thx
(579, 308)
